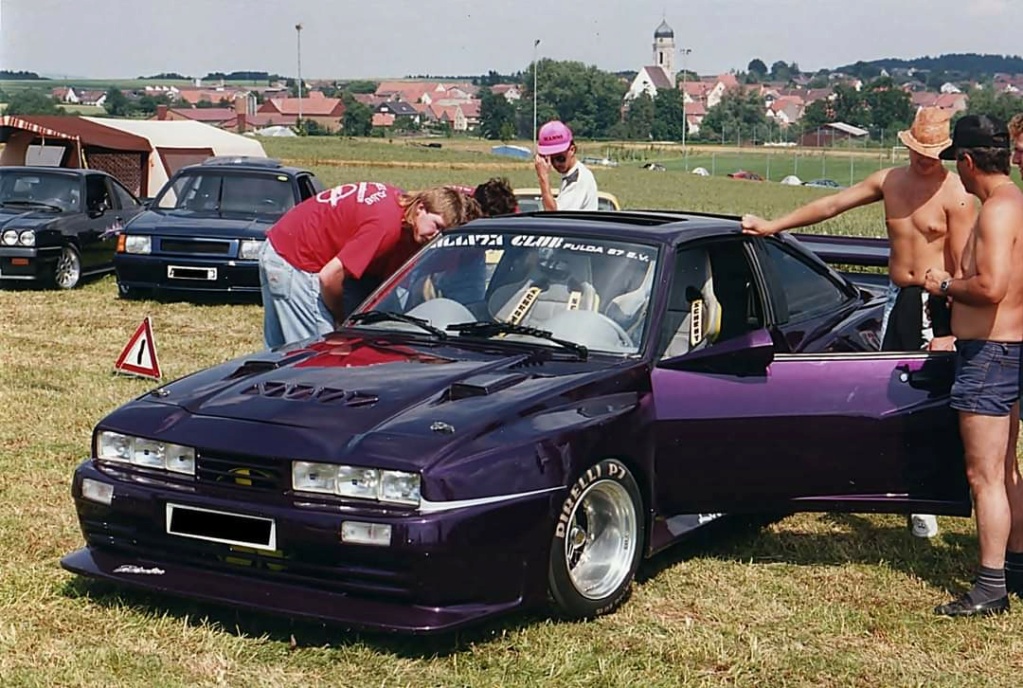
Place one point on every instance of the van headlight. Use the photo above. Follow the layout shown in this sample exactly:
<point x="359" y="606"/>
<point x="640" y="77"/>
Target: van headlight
<point x="249" y="249"/>
<point x="356" y="482"/>
<point x="139" y="451"/>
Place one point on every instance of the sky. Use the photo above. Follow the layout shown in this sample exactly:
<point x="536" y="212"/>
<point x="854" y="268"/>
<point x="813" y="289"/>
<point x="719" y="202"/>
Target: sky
<point x="393" y="38"/>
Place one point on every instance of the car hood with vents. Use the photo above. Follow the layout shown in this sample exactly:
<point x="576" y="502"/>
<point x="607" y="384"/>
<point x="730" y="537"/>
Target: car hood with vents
<point x="345" y="395"/>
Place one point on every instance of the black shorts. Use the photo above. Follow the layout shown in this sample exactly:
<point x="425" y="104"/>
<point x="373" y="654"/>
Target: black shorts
<point x="914" y="320"/>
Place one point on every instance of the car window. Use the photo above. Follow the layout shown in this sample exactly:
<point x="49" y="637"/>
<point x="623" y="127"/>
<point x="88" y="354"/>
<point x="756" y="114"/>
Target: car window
<point x="590" y="290"/>
<point x="97" y="195"/>
<point x="307" y="186"/>
<point x="211" y="191"/>
<point x="124" y="197"/>
<point x="713" y="298"/>
<point x="256" y="194"/>
<point x="808" y="292"/>
<point x="57" y="191"/>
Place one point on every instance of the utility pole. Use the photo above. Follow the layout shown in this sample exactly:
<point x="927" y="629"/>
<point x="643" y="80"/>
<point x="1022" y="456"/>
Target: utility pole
<point x="685" y="118"/>
<point x="298" y="33"/>
<point x="536" y="68"/>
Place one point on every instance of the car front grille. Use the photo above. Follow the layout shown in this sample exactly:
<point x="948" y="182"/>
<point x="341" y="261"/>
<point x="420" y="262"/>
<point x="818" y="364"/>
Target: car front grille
<point x="230" y="470"/>
<point x="210" y="247"/>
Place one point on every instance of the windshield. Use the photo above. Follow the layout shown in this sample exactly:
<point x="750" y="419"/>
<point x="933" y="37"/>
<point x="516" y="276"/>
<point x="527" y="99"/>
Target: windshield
<point x="218" y="192"/>
<point x="589" y="291"/>
<point x="40" y="189"/>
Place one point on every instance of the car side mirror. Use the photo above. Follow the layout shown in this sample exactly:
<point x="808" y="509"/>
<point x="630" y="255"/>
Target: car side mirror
<point x="746" y="355"/>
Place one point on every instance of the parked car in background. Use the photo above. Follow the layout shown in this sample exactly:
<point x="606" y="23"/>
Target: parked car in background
<point x="747" y="175"/>
<point x="598" y="161"/>
<point x="204" y="230"/>
<point x="58" y="225"/>
<point x="531" y="201"/>
<point x="824" y="184"/>
<point x="655" y="167"/>
<point x="475" y="441"/>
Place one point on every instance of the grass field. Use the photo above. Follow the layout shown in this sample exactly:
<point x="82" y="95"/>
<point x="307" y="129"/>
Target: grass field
<point x="811" y="600"/>
<point x="468" y="161"/>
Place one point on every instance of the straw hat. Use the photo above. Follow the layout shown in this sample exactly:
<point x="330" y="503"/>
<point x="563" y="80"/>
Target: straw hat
<point x="929" y="134"/>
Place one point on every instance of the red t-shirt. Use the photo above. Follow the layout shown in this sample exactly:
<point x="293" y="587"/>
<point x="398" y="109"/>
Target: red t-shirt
<point x="360" y="223"/>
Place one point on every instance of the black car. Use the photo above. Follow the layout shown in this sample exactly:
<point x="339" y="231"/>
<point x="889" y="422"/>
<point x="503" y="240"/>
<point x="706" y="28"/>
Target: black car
<point x="58" y="225"/>
<point x="203" y="232"/>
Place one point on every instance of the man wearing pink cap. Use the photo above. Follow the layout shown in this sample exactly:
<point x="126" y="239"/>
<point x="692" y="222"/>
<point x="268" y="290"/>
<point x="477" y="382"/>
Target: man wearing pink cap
<point x="555" y="148"/>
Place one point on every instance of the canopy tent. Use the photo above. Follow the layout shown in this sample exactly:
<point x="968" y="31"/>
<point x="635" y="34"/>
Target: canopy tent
<point x="78" y="142"/>
<point x="176" y="143"/>
<point x="142" y="154"/>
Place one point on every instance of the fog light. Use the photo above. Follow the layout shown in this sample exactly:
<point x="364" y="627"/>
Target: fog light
<point x="358" y="533"/>
<point x="95" y="491"/>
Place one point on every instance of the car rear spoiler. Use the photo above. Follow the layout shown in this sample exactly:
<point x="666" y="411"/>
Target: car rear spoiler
<point x="847" y="250"/>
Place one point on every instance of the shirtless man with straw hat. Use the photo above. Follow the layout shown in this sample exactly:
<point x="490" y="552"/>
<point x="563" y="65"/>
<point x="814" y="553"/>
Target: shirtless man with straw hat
<point x="929" y="216"/>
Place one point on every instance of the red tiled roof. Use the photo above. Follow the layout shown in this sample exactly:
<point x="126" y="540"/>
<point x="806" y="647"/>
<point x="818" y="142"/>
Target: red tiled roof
<point x="311" y="107"/>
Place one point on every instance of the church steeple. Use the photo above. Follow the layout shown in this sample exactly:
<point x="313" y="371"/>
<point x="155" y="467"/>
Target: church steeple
<point x="664" y="49"/>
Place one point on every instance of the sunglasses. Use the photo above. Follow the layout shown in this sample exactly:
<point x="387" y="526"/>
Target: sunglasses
<point x="559" y="158"/>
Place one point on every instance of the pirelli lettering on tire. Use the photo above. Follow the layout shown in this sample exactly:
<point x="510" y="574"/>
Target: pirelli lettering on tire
<point x="605" y="469"/>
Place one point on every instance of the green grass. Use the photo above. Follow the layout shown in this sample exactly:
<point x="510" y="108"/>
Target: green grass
<point x="467" y="161"/>
<point x="812" y="600"/>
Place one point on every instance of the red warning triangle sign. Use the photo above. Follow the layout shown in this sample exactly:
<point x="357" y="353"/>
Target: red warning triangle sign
<point x="139" y="355"/>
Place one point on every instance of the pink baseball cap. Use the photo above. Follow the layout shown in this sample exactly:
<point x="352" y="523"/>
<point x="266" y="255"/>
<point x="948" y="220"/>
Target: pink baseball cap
<point x="554" y="138"/>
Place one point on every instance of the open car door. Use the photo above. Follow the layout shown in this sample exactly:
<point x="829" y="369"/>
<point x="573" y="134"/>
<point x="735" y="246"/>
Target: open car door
<point x="741" y="426"/>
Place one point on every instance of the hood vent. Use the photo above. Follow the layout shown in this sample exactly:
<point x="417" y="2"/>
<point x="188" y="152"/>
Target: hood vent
<point x="255" y="366"/>
<point x="483" y="385"/>
<point x="304" y="392"/>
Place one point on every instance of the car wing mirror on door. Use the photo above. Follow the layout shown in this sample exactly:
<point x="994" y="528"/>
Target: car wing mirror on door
<point x="747" y="354"/>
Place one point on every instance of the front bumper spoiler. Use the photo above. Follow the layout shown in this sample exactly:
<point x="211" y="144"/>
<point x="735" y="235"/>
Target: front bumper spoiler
<point x="275" y="597"/>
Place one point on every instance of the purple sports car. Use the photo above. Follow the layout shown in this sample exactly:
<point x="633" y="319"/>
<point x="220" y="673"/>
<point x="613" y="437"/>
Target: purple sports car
<point x="529" y="408"/>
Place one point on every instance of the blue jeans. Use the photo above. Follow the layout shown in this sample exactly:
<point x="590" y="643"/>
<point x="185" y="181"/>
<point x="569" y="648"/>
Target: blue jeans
<point x="293" y="309"/>
<point x="987" y="377"/>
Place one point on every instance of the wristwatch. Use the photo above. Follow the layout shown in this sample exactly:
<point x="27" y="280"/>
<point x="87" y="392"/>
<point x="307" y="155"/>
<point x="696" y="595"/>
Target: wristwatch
<point x="945" y="283"/>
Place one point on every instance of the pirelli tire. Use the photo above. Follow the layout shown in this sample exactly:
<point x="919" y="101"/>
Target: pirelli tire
<point x="597" y="542"/>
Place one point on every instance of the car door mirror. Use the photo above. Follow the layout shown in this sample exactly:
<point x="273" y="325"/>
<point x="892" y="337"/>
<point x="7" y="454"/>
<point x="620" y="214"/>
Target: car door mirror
<point x="747" y="354"/>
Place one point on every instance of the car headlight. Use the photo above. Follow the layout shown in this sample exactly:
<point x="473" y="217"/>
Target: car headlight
<point x="27" y="238"/>
<point x="136" y="243"/>
<point x="392" y="487"/>
<point x="249" y="249"/>
<point x="10" y="237"/>
<point x="138" y="451"/>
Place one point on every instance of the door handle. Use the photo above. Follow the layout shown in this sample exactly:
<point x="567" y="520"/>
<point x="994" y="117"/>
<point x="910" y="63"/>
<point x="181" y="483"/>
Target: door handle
<point x="924" y="378"/>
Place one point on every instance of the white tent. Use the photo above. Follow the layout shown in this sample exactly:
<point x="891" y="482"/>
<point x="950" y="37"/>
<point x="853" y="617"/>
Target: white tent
<point x="179" y="143"/>
<point x="792" y="180"/>
<point x="276" y="130"/>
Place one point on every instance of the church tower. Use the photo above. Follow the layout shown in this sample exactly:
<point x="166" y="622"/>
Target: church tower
<point x="664" y="49"/>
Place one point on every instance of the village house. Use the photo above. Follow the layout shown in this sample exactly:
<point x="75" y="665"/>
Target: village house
<point x="326" y="112"/>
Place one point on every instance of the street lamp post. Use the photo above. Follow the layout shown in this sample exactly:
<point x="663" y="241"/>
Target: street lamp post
<point x="685" y="118"/>
<point x="536" y="66"/>
<point x="298" y="33"/>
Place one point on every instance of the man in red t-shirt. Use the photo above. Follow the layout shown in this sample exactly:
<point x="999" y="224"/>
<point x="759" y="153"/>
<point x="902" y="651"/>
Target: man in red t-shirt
<point x="324" y="256"/>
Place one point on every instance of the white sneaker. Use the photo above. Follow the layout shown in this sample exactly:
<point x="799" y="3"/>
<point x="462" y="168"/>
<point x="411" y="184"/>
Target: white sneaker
<point x="923" y="525"/>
